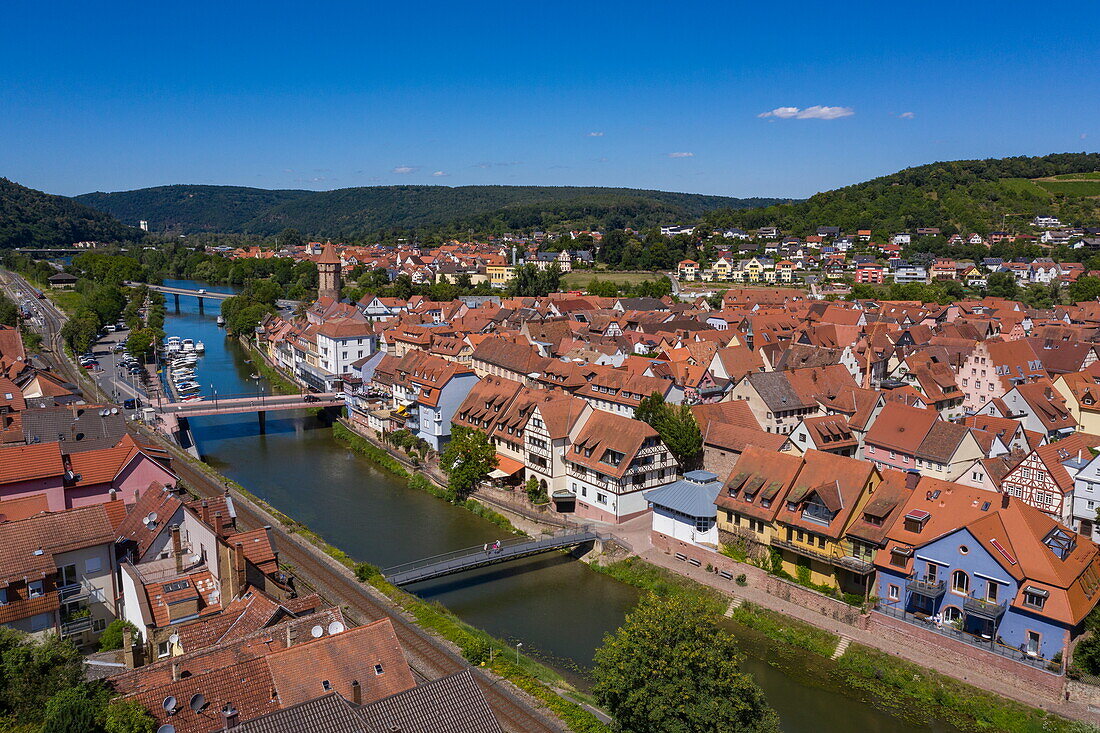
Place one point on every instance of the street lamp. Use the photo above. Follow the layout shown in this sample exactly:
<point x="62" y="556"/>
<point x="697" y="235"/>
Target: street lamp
<point x="518" y="645"/>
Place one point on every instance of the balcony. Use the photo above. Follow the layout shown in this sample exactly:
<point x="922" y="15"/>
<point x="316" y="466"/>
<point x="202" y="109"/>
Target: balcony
<point x="984" y="609"/>
<point x="926" y="587"/>
<point x="73" y="592"/>
<point x="76" y="626"/>
<point x="944" y="629"/>
<point x="845" y="560"/>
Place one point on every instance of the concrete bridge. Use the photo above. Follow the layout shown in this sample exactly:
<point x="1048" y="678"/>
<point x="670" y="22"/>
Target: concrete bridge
<point x="172" y="413"/>
<point x="476" y="557"/>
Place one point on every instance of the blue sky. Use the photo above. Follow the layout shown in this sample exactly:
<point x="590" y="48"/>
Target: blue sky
<point x="117" y="95"/>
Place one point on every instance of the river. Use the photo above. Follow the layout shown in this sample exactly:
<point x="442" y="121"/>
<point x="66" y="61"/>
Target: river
<point x="558" y="608"/>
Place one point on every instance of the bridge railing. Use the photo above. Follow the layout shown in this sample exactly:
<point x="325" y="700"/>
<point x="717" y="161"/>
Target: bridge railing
<point x="477" y="550"/>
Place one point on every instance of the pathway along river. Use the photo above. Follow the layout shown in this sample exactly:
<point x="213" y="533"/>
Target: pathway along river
<point x="558" y="608"/>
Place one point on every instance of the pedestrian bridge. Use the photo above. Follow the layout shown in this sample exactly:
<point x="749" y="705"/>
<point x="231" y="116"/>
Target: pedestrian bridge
<point x="476" y="557"/>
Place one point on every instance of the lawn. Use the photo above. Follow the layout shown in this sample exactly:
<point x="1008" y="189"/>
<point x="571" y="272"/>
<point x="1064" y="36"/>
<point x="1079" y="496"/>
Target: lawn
<point x="578" y="279"/>
<point x="1094" y="176"/>
<point x="1072" y="188"/>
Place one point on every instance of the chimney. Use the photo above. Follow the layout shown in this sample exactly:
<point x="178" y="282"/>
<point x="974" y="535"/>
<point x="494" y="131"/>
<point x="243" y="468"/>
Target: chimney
<point x="217" y="522"/>
<point x="205" y="513"/>
<point x="114" y="494"/>
<point x="231" y="716"/>
<point x="290" y="635"/>
<point x="177" y="548"/>
<point x="175" y="671"/>
<point x="128" y="648"/>
<point x="1004" y="500"/>
<point x="356" y="692"/>
<point x="911" y="481"/>
<point x="238" y="568"/>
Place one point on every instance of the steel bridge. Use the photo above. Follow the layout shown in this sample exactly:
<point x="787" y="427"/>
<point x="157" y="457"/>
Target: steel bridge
<point x="480" y="556"/>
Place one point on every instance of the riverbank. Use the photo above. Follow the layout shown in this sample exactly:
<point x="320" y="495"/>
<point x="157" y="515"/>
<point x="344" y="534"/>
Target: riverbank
<point x="476" y="645"/>
<point x="909" y="691"/>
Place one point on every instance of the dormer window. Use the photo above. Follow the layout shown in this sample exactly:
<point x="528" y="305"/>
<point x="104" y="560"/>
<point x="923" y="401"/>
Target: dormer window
<point x="1035" y="597"/>
<point x="35" y="588"/>
<point x="1060" y="542"/>
<point x="915" y="520"/>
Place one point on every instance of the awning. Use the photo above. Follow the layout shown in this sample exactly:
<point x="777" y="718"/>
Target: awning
<point x="505" y="467"/>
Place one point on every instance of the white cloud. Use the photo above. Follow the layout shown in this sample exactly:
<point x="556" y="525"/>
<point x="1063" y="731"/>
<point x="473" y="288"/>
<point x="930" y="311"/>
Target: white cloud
<point x="595" y="134"/>
<point x="1084" y="135"/>
<point x="403" y="169"/>
<point x="439" y="174"/>
<point x="907" y="115"/>
<point x="817" y="112"/>
<point x="681" y="155"/>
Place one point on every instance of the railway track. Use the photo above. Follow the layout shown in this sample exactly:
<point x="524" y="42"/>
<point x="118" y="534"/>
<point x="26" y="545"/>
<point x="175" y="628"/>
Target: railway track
<point x="429" y="657"/>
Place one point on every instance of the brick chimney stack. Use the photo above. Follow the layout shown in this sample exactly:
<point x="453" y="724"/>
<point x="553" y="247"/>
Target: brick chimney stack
<point x="356" y="692"/>
<point x="239" y="576"/>
<point x="128" y="648"/>
<point x="205" y="513"/>
<point x="177" y="548"/>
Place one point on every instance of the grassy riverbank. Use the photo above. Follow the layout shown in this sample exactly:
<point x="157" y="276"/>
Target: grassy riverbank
<point x="525" y="673"/>
<point x="905" y="689"/>
<point x="418" y="481"/>
<point x="279" y="383"/>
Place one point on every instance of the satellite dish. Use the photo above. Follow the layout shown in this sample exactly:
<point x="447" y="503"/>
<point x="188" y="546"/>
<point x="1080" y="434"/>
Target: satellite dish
<point x="198" y="702"/>
<point x="169" y="704"/>
<point x="335" y="627"/>
<point x="174" y="639"/>
<point x="114" y="410"/>
<point x="317" y="631"/>
<point x="152" y="516"/>
<point x="167" y="728"/>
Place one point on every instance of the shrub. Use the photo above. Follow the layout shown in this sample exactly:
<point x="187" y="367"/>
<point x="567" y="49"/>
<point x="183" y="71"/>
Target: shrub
<point x="476" y="651"/>
<point x="742" y="580"/>
<point x="366" y="572"/>
<point x="111" y="638"/>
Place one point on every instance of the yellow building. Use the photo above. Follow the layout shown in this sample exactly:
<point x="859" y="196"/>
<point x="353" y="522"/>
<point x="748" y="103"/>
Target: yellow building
<point x="722" y="269"/>
<point x="500" y="275"/>
<point x="754" y="271"/>
<point x="1082" y="395"/>
<point x="812" y="526"/>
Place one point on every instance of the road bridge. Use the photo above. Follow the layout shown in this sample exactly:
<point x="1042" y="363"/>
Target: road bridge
<point x="480" y="556"/>
<point x="172" y="413"/>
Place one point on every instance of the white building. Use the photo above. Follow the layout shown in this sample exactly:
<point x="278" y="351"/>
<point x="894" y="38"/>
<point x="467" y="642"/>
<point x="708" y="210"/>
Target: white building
<point x="342" y="341"/>
<point x="685" y="510"/>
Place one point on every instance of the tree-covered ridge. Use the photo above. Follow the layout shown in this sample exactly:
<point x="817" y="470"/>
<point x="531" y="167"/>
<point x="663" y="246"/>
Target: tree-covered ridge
<point x="30" y="218"/>
<point x="353" y="213"/>
<point x="190" y="208"/>
<point x="957" y="196"/>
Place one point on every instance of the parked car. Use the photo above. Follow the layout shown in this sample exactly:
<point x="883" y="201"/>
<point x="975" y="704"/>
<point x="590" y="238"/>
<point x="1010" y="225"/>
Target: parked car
<point x="132" y="404"/>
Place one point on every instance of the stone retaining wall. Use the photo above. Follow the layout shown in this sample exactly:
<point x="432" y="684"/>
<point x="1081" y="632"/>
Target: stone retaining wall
<point x="972" y="663"/>
<point x="810" y="599"/>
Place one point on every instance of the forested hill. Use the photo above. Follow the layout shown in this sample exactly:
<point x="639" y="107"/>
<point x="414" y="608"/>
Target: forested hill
<point x="190" y="208"/>
<point x="351" y="213"/>
<point x="33" y="218"/>
<point x="963" y="195"/>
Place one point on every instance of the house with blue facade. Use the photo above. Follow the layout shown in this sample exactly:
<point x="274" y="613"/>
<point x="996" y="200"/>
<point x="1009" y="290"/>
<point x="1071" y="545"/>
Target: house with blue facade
<point x="427" y="391"/>
<point x="987" y="569"/>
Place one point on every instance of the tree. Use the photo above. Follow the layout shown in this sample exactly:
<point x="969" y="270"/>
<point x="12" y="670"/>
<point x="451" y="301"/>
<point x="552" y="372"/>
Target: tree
<point x="677" y="427"/>
<point x="111" y="638"/>
<point x="141" y="341"/>
<point x="671" y="668"/>
<point x="1001" y="285"/>
<point x="31" y="672"/>
<point x="467" y="460"/>
<point x="75" y="710"/>
<point x="290" y="238"/>
<point x="127" y="716"/>
<point x="1085" y="288"/>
